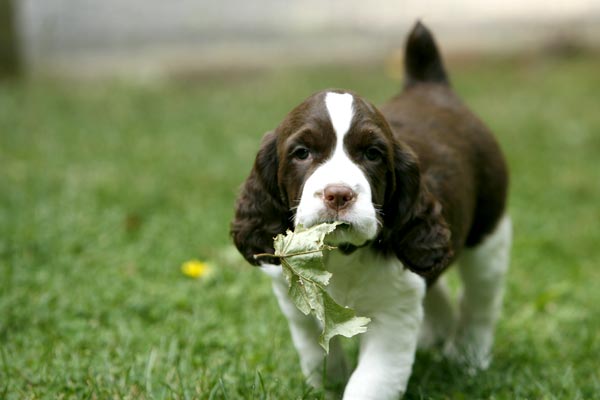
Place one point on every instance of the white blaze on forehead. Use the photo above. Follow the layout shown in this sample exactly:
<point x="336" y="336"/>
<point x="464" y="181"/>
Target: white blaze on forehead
<point x="339" y="107"/>
<point x="339" y="169"/>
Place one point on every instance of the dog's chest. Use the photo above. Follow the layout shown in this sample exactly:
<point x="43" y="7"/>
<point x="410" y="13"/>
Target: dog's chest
<point x="366" y="281"/>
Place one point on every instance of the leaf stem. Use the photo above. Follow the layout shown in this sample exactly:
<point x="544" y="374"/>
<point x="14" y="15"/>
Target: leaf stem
<point x="300" y="253"/>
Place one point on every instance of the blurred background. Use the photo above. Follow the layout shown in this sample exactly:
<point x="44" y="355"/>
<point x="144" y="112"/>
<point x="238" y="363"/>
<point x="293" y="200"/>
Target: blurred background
<point x="127" y="126"/>
<point x="156" y="38"/>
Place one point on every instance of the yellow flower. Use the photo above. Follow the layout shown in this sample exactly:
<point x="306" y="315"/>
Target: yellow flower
<point x="195" y="268"/>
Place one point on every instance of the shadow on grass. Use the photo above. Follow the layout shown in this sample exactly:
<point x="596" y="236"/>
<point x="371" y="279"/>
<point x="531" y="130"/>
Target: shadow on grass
<point x="433" y="374"/>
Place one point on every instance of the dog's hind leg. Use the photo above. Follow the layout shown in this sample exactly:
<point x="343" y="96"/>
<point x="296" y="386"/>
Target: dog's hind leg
<point x="440" y="316"/>
<point x="482" y="271"/>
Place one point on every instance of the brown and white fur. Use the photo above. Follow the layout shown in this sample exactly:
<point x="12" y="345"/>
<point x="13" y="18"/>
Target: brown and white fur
<point x="420" y="183"/>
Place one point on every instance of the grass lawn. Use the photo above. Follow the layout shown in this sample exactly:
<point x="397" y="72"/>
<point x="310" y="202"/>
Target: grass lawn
<point x="107" y="188"/>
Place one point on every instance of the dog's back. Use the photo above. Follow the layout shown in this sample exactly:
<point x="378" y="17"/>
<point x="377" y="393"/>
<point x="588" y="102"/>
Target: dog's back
<point x="461" y="163"/>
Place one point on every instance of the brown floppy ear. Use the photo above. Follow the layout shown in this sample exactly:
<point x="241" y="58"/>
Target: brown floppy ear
<point x="424" y="244"/>
<point x="260" y="211"/>
<point x="414" y="227"/>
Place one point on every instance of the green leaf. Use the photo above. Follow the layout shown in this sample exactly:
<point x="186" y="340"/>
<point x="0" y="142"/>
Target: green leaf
<point x="301" y="255"/>
<point x="340" y="320"/>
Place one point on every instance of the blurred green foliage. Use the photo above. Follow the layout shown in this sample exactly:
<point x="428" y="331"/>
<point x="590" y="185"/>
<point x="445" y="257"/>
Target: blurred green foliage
<point x="107" y="187"/>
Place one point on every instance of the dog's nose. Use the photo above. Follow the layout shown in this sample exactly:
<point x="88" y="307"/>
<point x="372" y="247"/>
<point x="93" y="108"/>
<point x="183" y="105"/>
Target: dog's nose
<point x="338" y="197"/>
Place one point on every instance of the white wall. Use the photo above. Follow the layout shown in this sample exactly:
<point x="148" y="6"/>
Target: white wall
<point x="153" y="36"/>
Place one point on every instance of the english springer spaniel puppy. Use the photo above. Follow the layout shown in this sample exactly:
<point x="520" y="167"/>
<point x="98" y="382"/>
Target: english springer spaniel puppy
<point x="420" y="183"/>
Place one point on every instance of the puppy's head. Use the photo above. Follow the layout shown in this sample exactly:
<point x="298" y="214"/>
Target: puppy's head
<point x="333" y="158"/>
<point x="337" y="163"/>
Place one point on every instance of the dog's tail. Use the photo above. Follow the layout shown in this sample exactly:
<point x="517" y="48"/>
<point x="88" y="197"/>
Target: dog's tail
<point x="422" y="61"/>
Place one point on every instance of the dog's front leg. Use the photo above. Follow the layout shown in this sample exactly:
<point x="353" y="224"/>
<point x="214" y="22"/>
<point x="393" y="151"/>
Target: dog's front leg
<point x="305" y="333"/>
<point x="387" y="350"/>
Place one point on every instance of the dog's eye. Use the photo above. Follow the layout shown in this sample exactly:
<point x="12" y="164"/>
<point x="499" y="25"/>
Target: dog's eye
<point x="301" y="153"/>
<point x="373" y="154"/>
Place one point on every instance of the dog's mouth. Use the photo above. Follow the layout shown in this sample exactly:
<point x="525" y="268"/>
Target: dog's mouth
<point x="342" y="228"/>
<point x="345" y="237"/>
<point x="342" y="225"/>
<point x="349" y="230"/>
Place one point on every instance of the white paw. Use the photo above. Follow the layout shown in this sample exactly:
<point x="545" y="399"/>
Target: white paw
<point x="471" y="348"/>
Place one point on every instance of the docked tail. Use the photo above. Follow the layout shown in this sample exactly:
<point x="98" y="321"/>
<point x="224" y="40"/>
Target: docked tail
<point x="422" y="61"/>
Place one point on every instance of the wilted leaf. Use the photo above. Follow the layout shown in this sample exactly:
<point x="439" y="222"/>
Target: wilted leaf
<point x="301" y="255"/>
<point x="340" y="320"/>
